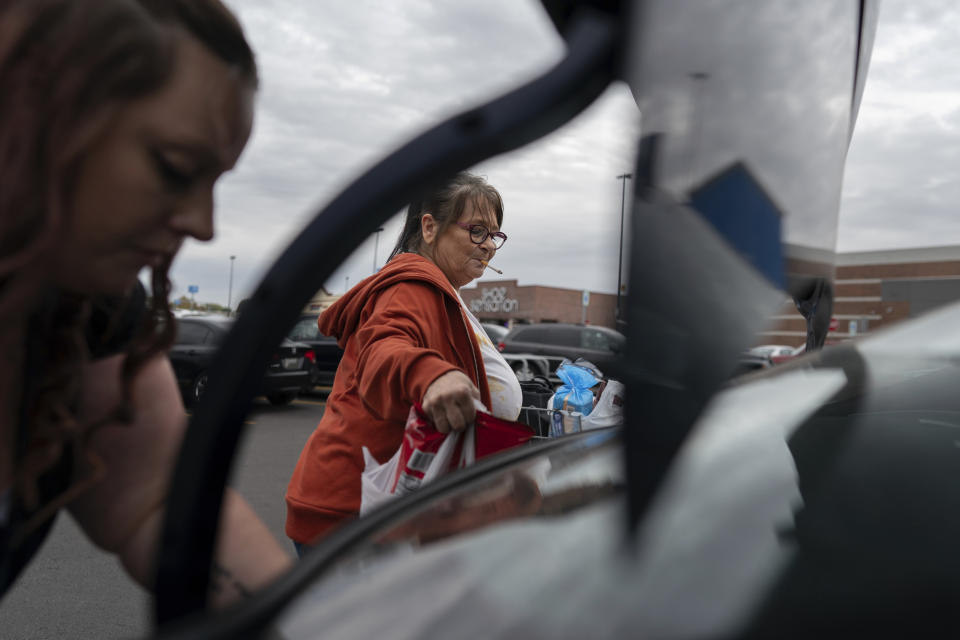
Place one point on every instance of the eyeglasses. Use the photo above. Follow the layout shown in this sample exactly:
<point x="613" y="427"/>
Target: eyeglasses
<point x="479" y="234"/>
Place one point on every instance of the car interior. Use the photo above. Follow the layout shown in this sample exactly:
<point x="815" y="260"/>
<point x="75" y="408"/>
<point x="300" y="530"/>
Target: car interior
<point x="793" y="503"/>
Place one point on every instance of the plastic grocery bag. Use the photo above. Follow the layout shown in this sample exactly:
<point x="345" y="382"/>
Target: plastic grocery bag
<point x="589" y="366"/>
<point x="574" y="394"/>
<point x="608" y="411"/>
<point x="426" y="454"/>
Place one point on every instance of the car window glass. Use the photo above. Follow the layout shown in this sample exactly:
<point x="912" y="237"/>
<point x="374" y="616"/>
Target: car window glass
<point x="593" y="339"/>
<point x="191" y="333"/>
<point x="216" y="336"/>
<point x="495" y="332"/>
<point x="566" y="336"/>
<point x="306" y="329"/>
<point x="617" y="342"/>
<point x="529" y="335"/>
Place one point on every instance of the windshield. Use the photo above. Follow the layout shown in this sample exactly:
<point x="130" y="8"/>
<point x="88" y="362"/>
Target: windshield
<point x="306" y="329"/>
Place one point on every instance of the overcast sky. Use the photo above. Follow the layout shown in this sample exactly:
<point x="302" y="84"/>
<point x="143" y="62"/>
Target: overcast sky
<point x="344" y="83"/>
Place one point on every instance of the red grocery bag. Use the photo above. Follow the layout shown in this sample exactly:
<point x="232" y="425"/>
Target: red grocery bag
<point x="425" y="454"/>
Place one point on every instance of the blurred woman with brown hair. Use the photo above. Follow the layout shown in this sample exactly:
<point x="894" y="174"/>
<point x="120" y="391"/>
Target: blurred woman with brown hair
<point x="117" y="119"/>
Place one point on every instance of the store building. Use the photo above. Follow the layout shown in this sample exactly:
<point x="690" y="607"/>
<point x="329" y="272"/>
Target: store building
<point x="320" y="301"/>
<point x="874" y="289"/>
<point x="507" y="303"/>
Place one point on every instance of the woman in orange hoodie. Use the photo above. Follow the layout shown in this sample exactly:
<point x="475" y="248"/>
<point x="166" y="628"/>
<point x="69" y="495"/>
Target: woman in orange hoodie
<point x="407" y="337"/>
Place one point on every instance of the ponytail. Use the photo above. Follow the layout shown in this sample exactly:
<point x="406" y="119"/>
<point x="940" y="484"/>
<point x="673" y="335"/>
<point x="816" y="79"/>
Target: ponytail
<point x="411" y="235"/>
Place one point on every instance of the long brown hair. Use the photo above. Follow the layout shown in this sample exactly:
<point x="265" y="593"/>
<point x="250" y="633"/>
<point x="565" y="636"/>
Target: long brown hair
<point x="66" y="68"/>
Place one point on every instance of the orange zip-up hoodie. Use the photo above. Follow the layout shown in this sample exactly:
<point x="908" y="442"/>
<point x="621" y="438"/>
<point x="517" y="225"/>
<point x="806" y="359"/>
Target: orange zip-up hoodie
<point x="400" y="329"/>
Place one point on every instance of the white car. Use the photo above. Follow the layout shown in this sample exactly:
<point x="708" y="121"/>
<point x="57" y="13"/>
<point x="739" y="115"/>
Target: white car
<point x="772" y="350"/>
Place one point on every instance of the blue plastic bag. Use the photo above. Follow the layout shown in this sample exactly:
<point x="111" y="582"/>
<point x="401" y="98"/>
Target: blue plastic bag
<point x="575" y="390"/>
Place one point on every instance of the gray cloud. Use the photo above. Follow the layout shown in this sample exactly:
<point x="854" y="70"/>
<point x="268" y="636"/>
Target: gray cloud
<point x="344" y="83"/>
<point x="901" y="187"/>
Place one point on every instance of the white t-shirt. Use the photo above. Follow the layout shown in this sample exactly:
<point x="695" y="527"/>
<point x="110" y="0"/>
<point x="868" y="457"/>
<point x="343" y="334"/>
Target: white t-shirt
<point x="505" y="393"/>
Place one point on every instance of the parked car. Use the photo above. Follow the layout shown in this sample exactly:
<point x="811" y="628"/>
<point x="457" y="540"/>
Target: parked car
<point x="324" y="353"/>
<point x="780" y="358"/>
<point x="761" y="357"/>
<point x="528" y="366"/>
<point x="750" y="362"/>
<point x="556" y="341"/>
<point x="495" y="332"/>
<point x="199" y="337"/>
<point x="771" y="350"/>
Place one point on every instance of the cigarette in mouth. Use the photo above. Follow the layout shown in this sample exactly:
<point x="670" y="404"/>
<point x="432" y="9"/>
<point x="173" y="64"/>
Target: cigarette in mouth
<point x="487" y="265"/>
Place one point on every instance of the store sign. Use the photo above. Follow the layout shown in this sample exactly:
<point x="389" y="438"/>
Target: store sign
<point x="494" y="300"/>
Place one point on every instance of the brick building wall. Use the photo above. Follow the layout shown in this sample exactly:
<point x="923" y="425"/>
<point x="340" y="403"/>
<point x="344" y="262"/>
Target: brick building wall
<point x="874" y="289"/>
<point x="506" y="302"/>
<point x="871" y="290"/>
<point x="320" y="301"/>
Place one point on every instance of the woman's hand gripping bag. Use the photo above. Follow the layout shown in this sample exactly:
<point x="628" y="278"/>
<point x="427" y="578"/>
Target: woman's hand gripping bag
<point x="426" y="454"/>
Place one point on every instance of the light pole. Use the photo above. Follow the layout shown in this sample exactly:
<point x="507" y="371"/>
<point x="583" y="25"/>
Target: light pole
<point x="623" y="197"/>
<point x="230" y="287"/>
<point x="376" y="245"/>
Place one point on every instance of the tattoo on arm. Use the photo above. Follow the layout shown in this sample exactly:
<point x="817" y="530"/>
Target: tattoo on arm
<point x="222" y="582"/>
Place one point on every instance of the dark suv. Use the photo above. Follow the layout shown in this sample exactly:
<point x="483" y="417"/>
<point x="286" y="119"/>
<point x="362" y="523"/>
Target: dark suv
<point x="199" y="338"/>
<point x="324" y="355"/>
<point x="555" y="341"/>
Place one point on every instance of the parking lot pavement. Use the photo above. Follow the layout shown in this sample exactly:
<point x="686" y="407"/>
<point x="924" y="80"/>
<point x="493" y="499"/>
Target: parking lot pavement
<point x="73" y="590"/>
